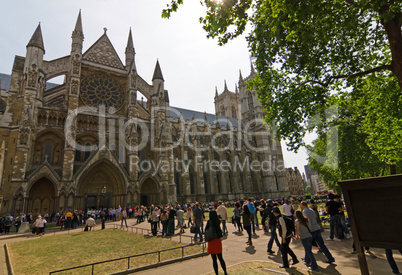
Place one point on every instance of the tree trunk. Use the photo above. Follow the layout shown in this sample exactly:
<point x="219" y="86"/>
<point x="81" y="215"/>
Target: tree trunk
<point x="393" y="169"/>
<point x="394" y="34"/>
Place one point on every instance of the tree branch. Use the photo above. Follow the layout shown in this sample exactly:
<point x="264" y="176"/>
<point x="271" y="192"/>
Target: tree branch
<point x="326" y="83"/>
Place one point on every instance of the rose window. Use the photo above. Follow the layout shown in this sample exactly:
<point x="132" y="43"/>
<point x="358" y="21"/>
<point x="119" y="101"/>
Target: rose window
<point x="99" y="90"/>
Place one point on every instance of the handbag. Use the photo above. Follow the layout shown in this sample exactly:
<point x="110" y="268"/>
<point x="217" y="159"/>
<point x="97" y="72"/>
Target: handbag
<point x="192" y="229"/>
<point x="210" y="233"/>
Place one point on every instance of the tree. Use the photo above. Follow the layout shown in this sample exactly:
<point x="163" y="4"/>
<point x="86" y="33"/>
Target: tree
<point x="311" y="52"/>
<point x="360" y="115"/>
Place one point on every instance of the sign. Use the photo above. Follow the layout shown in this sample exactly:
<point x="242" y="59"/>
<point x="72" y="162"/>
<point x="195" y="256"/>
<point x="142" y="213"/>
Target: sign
<point x="374" y="210"/>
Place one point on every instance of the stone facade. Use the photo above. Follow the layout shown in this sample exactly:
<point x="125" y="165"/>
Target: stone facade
<point x="295" y="181"/>
<point x="106" y="137"/>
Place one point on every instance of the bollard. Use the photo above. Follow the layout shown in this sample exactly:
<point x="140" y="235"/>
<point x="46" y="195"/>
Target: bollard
<point x="103" y="223"/>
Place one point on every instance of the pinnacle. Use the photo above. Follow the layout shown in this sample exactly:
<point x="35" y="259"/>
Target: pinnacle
<point x="36" y="39"/>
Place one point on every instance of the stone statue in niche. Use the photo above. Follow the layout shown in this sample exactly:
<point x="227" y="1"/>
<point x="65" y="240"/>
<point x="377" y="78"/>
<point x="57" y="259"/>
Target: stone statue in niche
<point x="32" y="76"/>
<point x="133" y="98"/>
<point x="74" y="87"/>
<point x="56" y="157"/>
<point x="134" y="81"/>
<point x="76" y="65"/>
<point x="37" y="157"/>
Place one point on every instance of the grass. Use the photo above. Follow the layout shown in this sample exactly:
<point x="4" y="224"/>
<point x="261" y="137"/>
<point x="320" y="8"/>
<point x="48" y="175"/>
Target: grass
<point x="50" y="253"/>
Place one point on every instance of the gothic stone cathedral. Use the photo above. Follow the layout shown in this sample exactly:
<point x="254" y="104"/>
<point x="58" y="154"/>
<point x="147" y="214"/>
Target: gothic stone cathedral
<point x="106" y="137"/>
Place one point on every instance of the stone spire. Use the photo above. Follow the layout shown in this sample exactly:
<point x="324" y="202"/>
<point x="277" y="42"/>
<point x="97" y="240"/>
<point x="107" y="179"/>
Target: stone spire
<point x="252" y="68"/>
<point x="37" y="40"/>
<point x="236" y="89"/>
<point x="226" y="87"/>
<point x="130" y="51"/>
<point x="77" y="36"/>
<point x="241" y="80"/>
<point x="157" y="72"/>
<point x="216" y="91"/>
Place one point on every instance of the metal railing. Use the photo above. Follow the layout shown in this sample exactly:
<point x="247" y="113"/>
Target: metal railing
<point x="135" y="229"/>
<point x="128" y="258"/>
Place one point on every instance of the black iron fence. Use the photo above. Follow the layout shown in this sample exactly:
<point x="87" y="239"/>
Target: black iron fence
<point x="131" y="258"/>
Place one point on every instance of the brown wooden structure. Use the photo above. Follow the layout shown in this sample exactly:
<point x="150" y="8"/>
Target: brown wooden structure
<point x="374" y="209"/>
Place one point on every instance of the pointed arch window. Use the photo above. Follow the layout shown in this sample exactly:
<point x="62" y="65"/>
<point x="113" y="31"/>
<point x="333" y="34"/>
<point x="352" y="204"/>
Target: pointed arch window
<point x="234" y="112"/>
<point x="250" y="100"/>
<point x="78" y="152"/>
<point x="47" y="154"/>
<point x="192" y="181"/>
<point x="87" y="150"/>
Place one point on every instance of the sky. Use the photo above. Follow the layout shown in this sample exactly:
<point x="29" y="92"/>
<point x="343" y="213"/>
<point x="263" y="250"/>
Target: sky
<point x="192" y="65"/>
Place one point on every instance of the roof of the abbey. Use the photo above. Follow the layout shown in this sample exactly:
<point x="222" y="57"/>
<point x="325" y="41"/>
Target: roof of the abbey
<point x="175" y="112"/>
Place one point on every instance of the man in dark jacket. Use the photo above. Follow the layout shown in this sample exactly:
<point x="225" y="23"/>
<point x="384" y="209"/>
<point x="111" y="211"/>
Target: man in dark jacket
<point x="172" y="215"/>
<point x="273" y="224"/>
<point x="286" y="237"/>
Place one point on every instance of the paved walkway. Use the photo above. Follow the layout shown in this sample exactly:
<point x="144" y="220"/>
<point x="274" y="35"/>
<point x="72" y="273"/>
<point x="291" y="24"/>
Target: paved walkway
<point x="236" y="251"/>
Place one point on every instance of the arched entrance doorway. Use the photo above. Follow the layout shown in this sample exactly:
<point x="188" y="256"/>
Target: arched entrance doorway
<point x="41" y="198"/>
<point x="101" y="187"/>
<point x="149" y="192"/>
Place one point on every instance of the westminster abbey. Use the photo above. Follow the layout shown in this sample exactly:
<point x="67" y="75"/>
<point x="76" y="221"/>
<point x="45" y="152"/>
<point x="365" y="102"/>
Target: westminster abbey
<point x="107" y="137"/>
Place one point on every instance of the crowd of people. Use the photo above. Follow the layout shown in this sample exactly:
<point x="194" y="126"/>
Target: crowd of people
<point x="299" y="220"/>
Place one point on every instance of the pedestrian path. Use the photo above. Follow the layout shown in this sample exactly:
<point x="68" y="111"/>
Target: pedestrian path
<point x="236" y="251"/>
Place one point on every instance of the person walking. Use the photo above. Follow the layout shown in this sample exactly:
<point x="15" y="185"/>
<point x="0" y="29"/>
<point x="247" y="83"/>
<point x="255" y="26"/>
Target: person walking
<point x="154" y="221"/>
<point x="333" y="208"/>
<point x="223" y="216"/>
<point x="286" y="234"/>
<point x="215" y="245"/>
<point x="40" y="225"/>
<point x="303" y="233"/>
<point x="180" y="219"/>
<point x="316" y="231"/>
<point x="391" y="261"/>
<point x="171" y="226"/>
<point x="164" y="220"/>
<point x="247" y="222"/>
<point x="123" y="217"/>
<point x="197" y="221"/>
<point x="237" y="211"/>
<point x="273" y="225"/>
<point x="342" y="217"/>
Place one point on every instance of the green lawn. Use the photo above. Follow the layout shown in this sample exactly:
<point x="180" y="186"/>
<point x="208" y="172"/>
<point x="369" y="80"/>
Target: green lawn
<point x="49" y="253"/>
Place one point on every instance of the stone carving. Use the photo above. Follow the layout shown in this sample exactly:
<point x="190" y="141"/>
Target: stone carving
<point x="133" y="96"/>
<point x="134" y="81"/>
<point x="104" y="53"/>
<point x="76" y="65"/>
<point x="131" y="135"/>
<point x="24" y="134"/>
<point x="32" y="76"/>
<point x="74" y="87"/>
<point x="56" y="67"/>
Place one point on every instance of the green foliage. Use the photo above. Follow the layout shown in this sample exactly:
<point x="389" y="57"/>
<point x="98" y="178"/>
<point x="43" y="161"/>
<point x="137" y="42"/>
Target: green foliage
<point x="370" y="112"/>
<point x="313" y="54"/>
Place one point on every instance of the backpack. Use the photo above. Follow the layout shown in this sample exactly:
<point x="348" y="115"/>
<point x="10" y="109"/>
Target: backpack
<point x="251" y="208"/>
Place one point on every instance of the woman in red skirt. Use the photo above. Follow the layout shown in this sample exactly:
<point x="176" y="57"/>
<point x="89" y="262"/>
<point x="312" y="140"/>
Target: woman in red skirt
<point x="215" y="245"/>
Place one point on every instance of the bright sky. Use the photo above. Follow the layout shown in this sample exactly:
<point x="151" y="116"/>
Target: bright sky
<point x="191" y="64"/>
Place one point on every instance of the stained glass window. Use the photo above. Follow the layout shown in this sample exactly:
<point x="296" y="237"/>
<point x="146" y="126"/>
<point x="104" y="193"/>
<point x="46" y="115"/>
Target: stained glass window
<point x="99" y="90"/>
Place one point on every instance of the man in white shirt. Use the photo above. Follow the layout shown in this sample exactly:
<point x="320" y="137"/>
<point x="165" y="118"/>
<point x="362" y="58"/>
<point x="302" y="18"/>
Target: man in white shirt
<point x="223" y="214"/>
